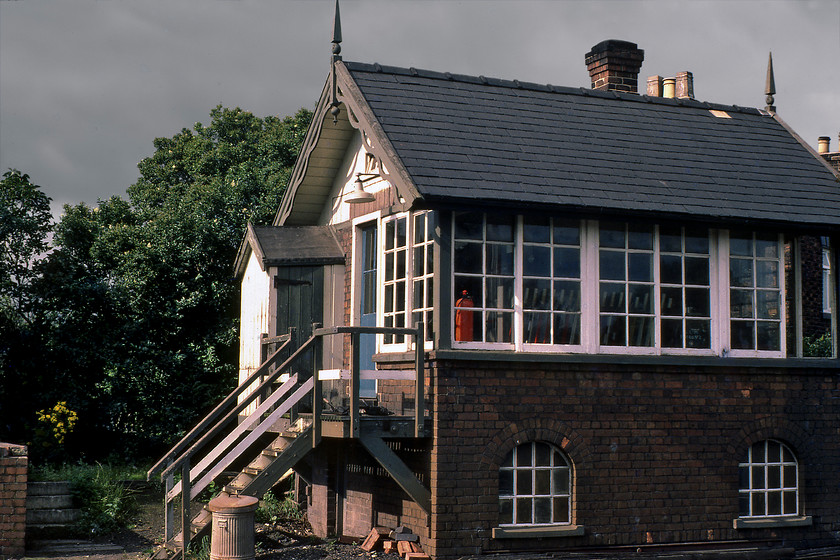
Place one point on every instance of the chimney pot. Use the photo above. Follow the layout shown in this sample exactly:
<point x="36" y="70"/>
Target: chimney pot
<point x="822" y="144"/>
<point x="668" y="87"/>
<point x="614" y="66"/>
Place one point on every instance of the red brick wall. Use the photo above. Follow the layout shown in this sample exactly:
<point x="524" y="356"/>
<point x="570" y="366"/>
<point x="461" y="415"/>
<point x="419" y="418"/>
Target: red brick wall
<point x="13" y="477"/>
<point x="655" y="449"/>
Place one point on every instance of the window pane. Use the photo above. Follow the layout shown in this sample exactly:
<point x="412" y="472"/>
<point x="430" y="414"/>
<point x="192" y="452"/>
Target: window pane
<point x="542" y="510"/>
<point x="697" y="302"/>
<point x="671" y="302"/>
<point x="499" y="293"/>
<point x="670" y="239"/>
<point x="611" y="265"/>
<point x="430" y="292"/>
<point x="640" y="267"/>
<point x="566" y="328"/>
<point x="419" y="262"/>
<point x="536" y="260"/>
<point x="767" y="274"/>
<point x="744" y="505"/>
<point x="640" y="298"/>
<point x="768" y="336"/>
<point x="500" y="227"/>
<point x="401" y="264"/>
<point x="744" y="478"/>
<point x="640" y="237"/>
<point x="505" y="483"/>
<point x="789" y="504"/>
<point x="740" y="244"/>
<point x="670" y="269"/>
<point x="758" y="504"/>
<point x="389" y="298"/>
<point x="612" y="298"/>
<point x="561" y="510"/>
<point x="468" y="258"/>
<point x="536" y="230"/>
<point x="567" y="262"/>
<point x="561" y="480"/>
<point x="543" y="482"/>
<point x="767" y="245"/>
<point x="640" y="331"/>
<point x="538" y="328"/>
<point x="774" y="477"/>
<point x="567" y="233"/>
<point x="566" y="295"/>
<point x="499" y="326"/>
<point x="740" y="273"/>
<point x="698" y="334"/>
<point x="536" y="294"/>
<point x="741" y="304"/>
<point x="774" y="451"/>
<point x="389" y="234"/>
<point x="742" y="335"/>
<point x="430" y="258"/>
<point x="672" y="335"/>
<point x="697" y="241"/>
<point x="389" y="267"/>
<point x="613" y="330"/>
<point x="399" y="297"/>
<point x="523" y="482"/>
<point x="697" y="271"/>
<point x="790" y="477"/>
<point x="774" y="503"/>
<point x="758" y="477"/>
<point x="543" y="454"/>
<point x="523" y="510"/>
<point x="505" y="512"/>
<point x="611" y="235"/>
<point x="469" y="225"/>
<point x="420" y="228"/>
<point x="499" y="259"/>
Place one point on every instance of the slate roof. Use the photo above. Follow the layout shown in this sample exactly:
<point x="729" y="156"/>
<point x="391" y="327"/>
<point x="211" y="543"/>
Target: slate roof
<point x="289" y="246"/>
<point x="469" y="140"/>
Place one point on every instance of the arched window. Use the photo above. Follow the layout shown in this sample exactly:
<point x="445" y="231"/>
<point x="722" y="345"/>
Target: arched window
<point x="769" y="481"/>
<point x="535" y="486"/>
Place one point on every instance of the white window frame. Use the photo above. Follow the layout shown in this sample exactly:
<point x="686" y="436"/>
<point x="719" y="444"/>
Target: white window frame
<point x="511" y="466"/>
<point x="428" y="278"/>
<point x="758" y="474"/>
<point x="719" y="300"/>
<point x="826" y="280"/>
<point x="407" y="344"/>
<point x="725" y="319"/>
<point x="383" y="283"/>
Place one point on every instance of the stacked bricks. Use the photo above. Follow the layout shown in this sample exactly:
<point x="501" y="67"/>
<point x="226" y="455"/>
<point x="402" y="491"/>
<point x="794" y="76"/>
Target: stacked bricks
<point x="13" y="476"/>
<point x="614" y="66"/>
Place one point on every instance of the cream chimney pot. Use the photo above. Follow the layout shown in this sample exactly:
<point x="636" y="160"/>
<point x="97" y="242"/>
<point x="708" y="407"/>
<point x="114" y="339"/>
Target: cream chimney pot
<point x="822" y="144"/>
<point x="668" y="87"/>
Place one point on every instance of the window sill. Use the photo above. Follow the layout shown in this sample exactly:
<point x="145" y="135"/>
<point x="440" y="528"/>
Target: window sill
<point x="773" y="522"/>
<point x="536" y="532"/>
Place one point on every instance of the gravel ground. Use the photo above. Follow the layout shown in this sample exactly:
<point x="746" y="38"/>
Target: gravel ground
<point x="287" y="540"/>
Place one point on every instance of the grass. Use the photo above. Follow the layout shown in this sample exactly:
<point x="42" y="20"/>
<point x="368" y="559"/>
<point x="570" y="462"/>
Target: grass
<point x="101" y="492"/>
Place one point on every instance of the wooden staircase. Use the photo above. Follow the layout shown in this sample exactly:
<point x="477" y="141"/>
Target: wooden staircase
<point x="256" y="435"/>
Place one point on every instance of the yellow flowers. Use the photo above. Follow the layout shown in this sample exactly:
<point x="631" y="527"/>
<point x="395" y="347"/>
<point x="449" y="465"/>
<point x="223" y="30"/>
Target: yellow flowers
<point x="58" y="421"/>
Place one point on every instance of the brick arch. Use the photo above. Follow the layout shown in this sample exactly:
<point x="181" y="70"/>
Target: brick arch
<point x="555" y="432"/>
<point x="779" y="429"/>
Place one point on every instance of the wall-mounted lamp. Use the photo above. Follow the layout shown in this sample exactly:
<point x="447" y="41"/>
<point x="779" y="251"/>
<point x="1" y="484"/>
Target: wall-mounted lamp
<point x="359" y="195"/>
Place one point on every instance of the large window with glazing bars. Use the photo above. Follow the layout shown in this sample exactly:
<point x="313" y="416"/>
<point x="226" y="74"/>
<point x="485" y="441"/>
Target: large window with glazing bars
<point x="555" y="284"/>
<point x="407" y="272"/>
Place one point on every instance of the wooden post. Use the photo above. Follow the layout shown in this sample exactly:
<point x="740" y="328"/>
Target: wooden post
<point x="355" y="374"/>
<point x="168" y="507"/>
<point x="317" y="392"/>
<point x="293" y="345"/>
<point x="186" y="522"/>
<point x="419" y="389"/>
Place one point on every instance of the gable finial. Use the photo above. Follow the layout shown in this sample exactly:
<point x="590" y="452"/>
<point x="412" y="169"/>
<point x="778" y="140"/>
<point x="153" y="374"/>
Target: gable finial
<point x="770" y="86"/>
<point x="336" y="56"/>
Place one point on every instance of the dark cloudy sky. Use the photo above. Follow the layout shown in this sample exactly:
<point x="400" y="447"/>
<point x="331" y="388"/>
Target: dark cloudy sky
<point x="86" y="85"/>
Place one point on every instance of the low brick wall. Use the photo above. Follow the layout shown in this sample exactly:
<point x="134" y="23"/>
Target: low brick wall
<point x="13" y="476"/>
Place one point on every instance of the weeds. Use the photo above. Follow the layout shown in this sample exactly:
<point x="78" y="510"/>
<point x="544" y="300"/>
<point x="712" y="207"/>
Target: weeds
<point x="272" y="510"/>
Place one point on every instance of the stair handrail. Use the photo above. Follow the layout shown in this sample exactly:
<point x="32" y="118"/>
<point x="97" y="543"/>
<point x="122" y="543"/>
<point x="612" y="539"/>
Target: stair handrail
<point x="176" y="453"/>
<point x="252" y="396"/>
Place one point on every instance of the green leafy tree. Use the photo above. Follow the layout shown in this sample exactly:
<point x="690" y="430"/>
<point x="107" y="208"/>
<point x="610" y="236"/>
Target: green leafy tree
<point x="149" y="281"/>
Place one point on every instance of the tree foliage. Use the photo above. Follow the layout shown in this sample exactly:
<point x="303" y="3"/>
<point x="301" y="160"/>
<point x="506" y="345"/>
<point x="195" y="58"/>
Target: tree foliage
<point x="137" y="299"/>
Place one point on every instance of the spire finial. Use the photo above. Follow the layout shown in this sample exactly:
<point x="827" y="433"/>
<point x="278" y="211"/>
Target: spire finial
<point x="770" y="85"/>
<point x="336" y="39"/>
<point x="336" y="56"/>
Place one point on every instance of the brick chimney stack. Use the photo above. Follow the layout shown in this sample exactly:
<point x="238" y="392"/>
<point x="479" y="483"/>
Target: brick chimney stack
<point x="614" y="66"/>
